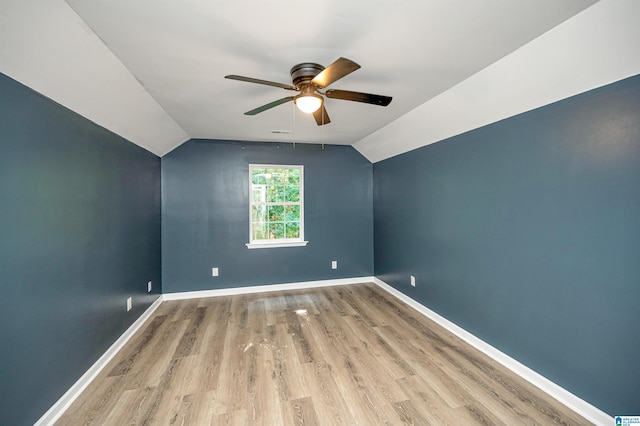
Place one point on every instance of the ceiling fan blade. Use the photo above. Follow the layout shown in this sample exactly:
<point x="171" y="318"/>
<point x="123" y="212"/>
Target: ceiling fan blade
<point x="334" y="72"/>
<point x="269" y="106"/>
<point x="367" y="98"/>
<point x="321" y="116"/>
<point x="258" y="81"/>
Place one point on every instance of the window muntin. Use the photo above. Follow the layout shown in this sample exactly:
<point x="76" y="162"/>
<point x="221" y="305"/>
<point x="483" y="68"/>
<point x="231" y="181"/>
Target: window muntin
<point x="276" y="205"/>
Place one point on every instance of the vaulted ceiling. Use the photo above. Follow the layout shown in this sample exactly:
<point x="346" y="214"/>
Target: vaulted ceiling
<point x="153" y="70"/>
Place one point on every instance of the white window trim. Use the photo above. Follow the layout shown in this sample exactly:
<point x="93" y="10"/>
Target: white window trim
<point x="284" y="242"/>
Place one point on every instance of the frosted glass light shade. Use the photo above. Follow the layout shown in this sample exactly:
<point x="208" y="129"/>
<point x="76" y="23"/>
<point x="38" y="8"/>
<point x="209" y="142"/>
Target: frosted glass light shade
<point x="308" y="103"/>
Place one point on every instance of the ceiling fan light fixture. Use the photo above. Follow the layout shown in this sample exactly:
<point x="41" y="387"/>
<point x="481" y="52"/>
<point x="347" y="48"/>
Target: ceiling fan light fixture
<point x="308" y="102"/>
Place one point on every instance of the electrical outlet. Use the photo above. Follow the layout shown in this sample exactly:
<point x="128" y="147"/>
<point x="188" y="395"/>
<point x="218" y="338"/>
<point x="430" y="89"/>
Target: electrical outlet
<point x="334" y="264"/>
<point x="149" y="287"/>
<point x="129" y="304"/>
<point x="214" y="272"/>
<point x="413" y="281"/>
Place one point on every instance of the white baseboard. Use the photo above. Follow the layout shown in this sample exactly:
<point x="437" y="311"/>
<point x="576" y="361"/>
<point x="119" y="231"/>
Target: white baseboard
<point x="265" y="288"/>
<point x="54" y="413"/>
<point x="562" y="395"/>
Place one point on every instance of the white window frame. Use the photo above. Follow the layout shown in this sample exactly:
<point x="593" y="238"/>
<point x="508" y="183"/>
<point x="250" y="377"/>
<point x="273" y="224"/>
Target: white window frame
<point x="282" y="242"/>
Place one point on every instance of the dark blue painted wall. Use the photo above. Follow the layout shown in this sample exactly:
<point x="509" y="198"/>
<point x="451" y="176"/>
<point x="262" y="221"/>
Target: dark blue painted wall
<point x="205" y="216"/>
<point x="527" y="233"/>
<point x="79" y="233"/>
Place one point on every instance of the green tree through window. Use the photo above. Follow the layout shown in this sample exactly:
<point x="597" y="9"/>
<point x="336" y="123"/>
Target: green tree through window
<point x="276" y="204"/>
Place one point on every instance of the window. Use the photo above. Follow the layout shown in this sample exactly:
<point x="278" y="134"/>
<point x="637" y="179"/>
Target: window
<point x="276" y="206"/>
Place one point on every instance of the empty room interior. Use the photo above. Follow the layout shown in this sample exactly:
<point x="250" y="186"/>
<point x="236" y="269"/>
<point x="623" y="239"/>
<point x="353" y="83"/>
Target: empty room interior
<point x="416" y="212"/>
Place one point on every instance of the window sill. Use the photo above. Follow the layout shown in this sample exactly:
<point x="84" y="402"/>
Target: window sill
<point x="277" y="244"/>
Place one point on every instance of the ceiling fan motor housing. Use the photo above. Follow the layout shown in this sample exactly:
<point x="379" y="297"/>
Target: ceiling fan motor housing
<point x="303" y="73"/>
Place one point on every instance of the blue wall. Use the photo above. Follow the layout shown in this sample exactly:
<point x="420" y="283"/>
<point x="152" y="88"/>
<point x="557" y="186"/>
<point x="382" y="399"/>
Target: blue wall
<point x="79" y="233"/>
<point x="527" y="233"/>
<point x="205" y="216"/>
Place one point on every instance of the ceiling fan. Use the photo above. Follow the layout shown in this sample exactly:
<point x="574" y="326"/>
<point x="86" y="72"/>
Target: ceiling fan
<point x="308" y="79"/>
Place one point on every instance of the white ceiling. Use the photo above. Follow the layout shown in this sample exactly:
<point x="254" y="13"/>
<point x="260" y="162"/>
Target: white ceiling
<point x="153" y="70"/>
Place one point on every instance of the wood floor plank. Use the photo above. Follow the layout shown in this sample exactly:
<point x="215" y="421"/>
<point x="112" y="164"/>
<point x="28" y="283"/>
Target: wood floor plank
<point x="303" y="412"/>
<point x="327" y="396"/>
<point x="276" y="308"/>
<point x="387" y="358"/>
<point x="410" y="415"/>
<point x="210" y="355"/>
<point x="343" y="371"/>
<point x="138" y="346"/>
<point x="192" y="338"/>
<point x="198" y="409"/>
<point x="350" y="355"/>
<point x="347" y="294"/>
<point x="237" y="417"/>
<point x="131" y="407"/>
<point x="186" y="310"/>
<point x="353" y="377"/>
<point x="105" y="392"/>
<point x="337" y="303"/>
<point x="151" y="368"/>
<point x="262" y="390"/>
<point x="287" y="369"/>
<point x="301" y="339"/>
<point x="432" y="408"/>
<point x="232" y="383"/>
<point x="429" y="371"/>
<point x="378" y="369"/>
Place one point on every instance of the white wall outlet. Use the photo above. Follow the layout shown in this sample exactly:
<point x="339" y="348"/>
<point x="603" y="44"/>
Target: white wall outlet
<point x="413" y="281"/>
<point x="129" y="304"/>
<point x="149" y="287"/>
<point x="214" y="272"/>
<point x="334" y="264"/>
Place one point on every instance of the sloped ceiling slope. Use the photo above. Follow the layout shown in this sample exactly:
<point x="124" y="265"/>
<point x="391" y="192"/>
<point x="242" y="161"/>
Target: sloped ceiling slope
<point x="46" y="46"/>
<point x="597" y="47"/>
<point x="153" y="71"/>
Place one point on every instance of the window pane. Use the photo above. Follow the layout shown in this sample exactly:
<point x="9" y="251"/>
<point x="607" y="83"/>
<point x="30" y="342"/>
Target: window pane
<point x="259" y="214"/>
<point x="275" y="194"/>
<point x="276" y="230"/>
<point x="258" y="193"/>
<point x="293" y="177"/>
<point x="292" y="213"/>
<point x="259" y="231"/>
<point x="293" y="229"/>
<point x="276" y="176"/>
<point x="258" y="176"/>
<point x="276" y="213"/>
<point x="292" y="193"/>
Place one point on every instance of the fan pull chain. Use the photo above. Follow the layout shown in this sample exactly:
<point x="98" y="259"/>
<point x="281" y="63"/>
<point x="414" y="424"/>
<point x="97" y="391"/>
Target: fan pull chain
<point x="293" y="125"/>
<point x="322" y="130"/>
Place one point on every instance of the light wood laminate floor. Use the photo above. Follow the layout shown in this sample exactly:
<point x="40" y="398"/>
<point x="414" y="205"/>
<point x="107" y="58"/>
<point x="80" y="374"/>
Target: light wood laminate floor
<point x="348" y="355"/>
